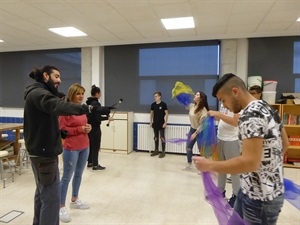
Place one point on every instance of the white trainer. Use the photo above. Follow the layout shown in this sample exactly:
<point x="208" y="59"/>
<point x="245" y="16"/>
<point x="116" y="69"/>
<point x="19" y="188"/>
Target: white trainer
<point x="64" y="216"/>
<point x="188" y="167"/>
<point x="78" y="204"/>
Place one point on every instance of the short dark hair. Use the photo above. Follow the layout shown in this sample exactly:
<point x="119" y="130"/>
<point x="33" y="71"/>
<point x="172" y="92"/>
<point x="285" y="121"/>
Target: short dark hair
<point x="95" y="90"/>
<point x="256" y="88"/>
<point x="221" y="82"/>
<point x="158" y="93"/>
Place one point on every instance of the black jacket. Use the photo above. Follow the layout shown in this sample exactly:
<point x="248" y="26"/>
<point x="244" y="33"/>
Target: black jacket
<point x="41" y="129"/>
<point x="99" y="114"/>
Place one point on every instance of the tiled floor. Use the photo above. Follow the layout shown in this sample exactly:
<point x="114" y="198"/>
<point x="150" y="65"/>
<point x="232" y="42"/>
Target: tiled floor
<point x="135" y="189"/>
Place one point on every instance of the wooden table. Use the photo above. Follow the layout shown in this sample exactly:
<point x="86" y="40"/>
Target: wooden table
<point x="4" y="143"/>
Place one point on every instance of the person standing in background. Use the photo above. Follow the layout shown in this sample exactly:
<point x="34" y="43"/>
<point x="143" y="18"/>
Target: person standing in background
<point x="95" y="119"/>
<point x="228" y="146"/>
<point x="197" y="111"/>
<point x="43" y="139"/>
<point x="256" y="91"/>
<point x="158" y="121"/>
<point x="75" y="153"/>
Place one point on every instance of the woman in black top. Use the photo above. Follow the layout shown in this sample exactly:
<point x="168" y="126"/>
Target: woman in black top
<point x="95" y="119"/>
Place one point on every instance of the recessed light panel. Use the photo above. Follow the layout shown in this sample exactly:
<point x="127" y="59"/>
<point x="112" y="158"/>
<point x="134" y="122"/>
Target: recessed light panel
<point x="68" y="31"/>
<point x="178" y="23"/>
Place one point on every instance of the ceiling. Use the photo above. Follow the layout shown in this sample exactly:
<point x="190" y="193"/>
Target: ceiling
<point x="24" y="23"/>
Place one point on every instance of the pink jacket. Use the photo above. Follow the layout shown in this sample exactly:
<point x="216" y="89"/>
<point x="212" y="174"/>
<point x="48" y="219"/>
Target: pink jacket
<point x="76" y="138"/>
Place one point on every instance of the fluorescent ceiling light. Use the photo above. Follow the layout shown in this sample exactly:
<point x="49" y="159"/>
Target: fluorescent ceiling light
<point x="178" y="23"/>
<point x="68" y="31"/>
<point x="1" y="40"/>
<point x="298" y="20"/>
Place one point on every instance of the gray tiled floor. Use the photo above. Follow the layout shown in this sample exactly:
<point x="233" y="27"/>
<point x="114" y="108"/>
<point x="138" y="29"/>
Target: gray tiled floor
<point x="135" y="189"/>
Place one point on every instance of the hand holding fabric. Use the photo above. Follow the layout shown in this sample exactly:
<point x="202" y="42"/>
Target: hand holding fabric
<point x="201" y="163"/>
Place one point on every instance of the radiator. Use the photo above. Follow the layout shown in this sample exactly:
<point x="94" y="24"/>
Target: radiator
<point x="145" y="138"/>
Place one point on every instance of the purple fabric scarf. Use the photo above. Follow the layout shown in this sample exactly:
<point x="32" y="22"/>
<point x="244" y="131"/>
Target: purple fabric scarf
<point x="223" y="211"/>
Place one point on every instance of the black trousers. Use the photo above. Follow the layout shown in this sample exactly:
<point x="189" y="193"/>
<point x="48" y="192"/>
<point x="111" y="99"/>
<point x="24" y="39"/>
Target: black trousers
<point x="159" y="132"/>
<point x="47" y="193"/>
<point x="95" y="141"/>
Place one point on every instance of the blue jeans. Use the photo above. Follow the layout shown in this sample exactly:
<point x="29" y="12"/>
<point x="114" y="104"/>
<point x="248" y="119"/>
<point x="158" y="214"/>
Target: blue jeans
<point x="256" y="212"/>
<point x="190" y="145"/>
<point x="74" y="162"/>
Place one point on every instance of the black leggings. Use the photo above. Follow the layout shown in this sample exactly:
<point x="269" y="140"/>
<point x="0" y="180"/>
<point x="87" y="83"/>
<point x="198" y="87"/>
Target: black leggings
<point x="95" y="141"/>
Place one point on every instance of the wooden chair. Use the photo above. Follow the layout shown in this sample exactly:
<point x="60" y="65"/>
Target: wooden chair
<point x="4" y="159"/>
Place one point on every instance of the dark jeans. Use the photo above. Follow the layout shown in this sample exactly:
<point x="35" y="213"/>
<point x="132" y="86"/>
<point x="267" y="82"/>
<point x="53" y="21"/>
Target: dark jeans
<point x="159" y="132"/>
<point x="256" y="212"/>
<point x="95" y="141"/>
<point x="47" y="193"/>
<point x="190" y="144"/>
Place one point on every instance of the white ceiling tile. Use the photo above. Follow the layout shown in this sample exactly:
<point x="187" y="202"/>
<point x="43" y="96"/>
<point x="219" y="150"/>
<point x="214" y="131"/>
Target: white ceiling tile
<point x="173" y="10"/>
<point x="132" y="15"/>
<point x="284" y="16"/>
<point x="238" y="29"/>
<point x="246" y="19"/>
<point x="24" y="23"/>
<point x="272" y="27"/>
<point x="286" y="5"/>
<point x="252" y="6"/>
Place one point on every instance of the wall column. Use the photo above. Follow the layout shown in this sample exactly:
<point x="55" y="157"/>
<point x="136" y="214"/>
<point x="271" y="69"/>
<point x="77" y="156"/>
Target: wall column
<point x="234" y="57"/>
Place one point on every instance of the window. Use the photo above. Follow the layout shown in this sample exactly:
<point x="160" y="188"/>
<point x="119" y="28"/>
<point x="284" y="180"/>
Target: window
<point x="16" y="66"/>
<point x="296" y="67"/>
<point x="135" y="72"/>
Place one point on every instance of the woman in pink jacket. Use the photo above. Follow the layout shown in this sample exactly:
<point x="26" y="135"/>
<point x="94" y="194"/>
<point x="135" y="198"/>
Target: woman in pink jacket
<point x="75" y="153"/>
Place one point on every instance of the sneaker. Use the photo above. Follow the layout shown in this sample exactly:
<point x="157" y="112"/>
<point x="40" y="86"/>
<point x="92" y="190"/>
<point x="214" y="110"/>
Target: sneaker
<point x="224" y="194"/>
<point x="64" y="215"/>
<point x="162" y="154"/>
<point x="232" y="200"/>
<point x="90" y="165"/>
<point x="78" y="204"/>
<point x="228" y="180"/>
<point x="156" y="152"/>
<point x="187" y="167"/>
<point x="99" y="167"/>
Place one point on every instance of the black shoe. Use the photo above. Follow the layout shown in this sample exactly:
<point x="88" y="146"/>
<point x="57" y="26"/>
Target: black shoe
<point x="161" y="155"/>
<point x="232" y="200"/>
<point x="98" y="167"/>
<point x="224" y="194"/>
<point x="90" y="165"/>
<point x="156" y="152"/>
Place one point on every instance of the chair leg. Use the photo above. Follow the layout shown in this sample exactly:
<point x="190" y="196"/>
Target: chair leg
<point x="12" y="174"/>
<point x="3" y="179"/>
<point x="11" y="171"/>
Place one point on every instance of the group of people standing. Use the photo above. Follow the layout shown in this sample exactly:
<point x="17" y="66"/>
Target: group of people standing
<point x="251" y="145"/>
<point x="256" y="164"/>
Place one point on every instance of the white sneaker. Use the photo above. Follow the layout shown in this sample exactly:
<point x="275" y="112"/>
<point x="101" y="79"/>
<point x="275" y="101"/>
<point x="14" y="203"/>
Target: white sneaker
<point x="187" y="167"/>
<point x="78" y="204"/>
<point x="64" y="215"/>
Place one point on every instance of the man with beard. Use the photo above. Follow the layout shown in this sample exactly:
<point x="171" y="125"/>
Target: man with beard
<point x="263" y="141"/>
<point x="43" y="139"/>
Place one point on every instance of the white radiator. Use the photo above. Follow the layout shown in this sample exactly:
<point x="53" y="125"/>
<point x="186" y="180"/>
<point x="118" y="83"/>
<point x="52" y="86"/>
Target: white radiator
<point x="145" y="138"/>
